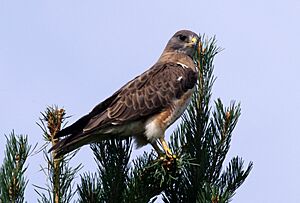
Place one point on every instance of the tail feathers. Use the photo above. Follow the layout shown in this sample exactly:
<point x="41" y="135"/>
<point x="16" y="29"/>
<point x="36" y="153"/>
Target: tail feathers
<point x="71" y="143"/>
<point x="75" y="128"/>
<point x="81" y="123"/>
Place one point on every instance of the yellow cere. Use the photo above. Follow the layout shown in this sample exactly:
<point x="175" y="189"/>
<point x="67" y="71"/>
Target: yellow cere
<point x="194" y="39"/>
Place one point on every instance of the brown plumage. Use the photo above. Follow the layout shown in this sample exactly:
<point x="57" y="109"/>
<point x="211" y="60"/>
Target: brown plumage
<point x="144" y="107"/>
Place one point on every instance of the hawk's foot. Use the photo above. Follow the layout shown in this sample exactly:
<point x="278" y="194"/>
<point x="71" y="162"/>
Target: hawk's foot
<point x="165" y="146"/>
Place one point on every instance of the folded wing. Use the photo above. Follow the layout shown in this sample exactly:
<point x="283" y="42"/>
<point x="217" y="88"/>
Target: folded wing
<point x="139" y="99"/>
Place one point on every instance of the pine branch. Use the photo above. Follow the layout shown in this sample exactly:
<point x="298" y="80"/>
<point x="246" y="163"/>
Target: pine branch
<point x="112" y="157"/>
<point x="58" y="171"/>
<point x="12" y="180"/>
<point x="221" y="126"/>
<point x="150" y="176"/>
<point x="233" y="176"/>
<point x="116" y="181"/>
<point x="90" y="189"/>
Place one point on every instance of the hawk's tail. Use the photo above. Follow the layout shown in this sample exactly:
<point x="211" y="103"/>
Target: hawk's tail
<point x="72" y="142"/>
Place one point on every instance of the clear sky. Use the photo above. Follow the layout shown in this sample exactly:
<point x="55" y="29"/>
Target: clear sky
<point x="76" y="53"/>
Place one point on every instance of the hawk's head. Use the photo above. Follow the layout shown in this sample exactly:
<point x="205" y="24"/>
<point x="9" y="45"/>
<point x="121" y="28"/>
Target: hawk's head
<point x="183" y="41"/>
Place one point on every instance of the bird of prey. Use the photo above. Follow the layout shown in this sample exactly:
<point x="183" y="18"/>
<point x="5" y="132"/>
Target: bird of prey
<point x="144" y="107"/>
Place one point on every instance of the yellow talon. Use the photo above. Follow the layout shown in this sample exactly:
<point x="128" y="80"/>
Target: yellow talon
<point x="166" y="148"/>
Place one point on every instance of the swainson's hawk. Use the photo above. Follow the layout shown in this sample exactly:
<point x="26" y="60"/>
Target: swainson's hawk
<point x="144" y="107"/>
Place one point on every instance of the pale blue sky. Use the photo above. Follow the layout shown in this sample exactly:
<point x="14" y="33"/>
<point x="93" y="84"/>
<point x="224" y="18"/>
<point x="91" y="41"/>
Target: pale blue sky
<point x="76" y="53"/>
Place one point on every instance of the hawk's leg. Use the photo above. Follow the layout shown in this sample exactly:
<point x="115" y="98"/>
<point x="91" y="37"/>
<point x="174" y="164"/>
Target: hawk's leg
<point x="157" y="149"/>
<point x="166" y="147"/>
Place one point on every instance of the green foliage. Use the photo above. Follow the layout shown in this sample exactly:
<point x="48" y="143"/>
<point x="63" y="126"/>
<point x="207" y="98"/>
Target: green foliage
<point x="12" y="179"/>
<point x="59" y="187"/>
<point x="145" y="181"/>
<point x="118" y="181"/>
<point x="90" y="189"/>
<point x="112" y="158"/>
<point x="63" y="189"/>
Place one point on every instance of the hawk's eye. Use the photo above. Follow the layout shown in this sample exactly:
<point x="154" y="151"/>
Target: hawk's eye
<point x="182" y="37"/>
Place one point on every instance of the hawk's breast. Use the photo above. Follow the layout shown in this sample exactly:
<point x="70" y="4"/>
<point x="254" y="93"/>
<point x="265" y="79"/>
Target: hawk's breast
<point x="157" y="124"/>
<point x="178" y="107"/>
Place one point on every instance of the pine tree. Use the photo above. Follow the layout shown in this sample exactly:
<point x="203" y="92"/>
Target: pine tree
<point x="12" y="172"/>
<point x="59" y="173"/>
<point x="201" y="143"/>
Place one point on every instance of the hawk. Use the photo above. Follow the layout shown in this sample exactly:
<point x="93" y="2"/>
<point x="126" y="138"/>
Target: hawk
<point x="144" y="107"/>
